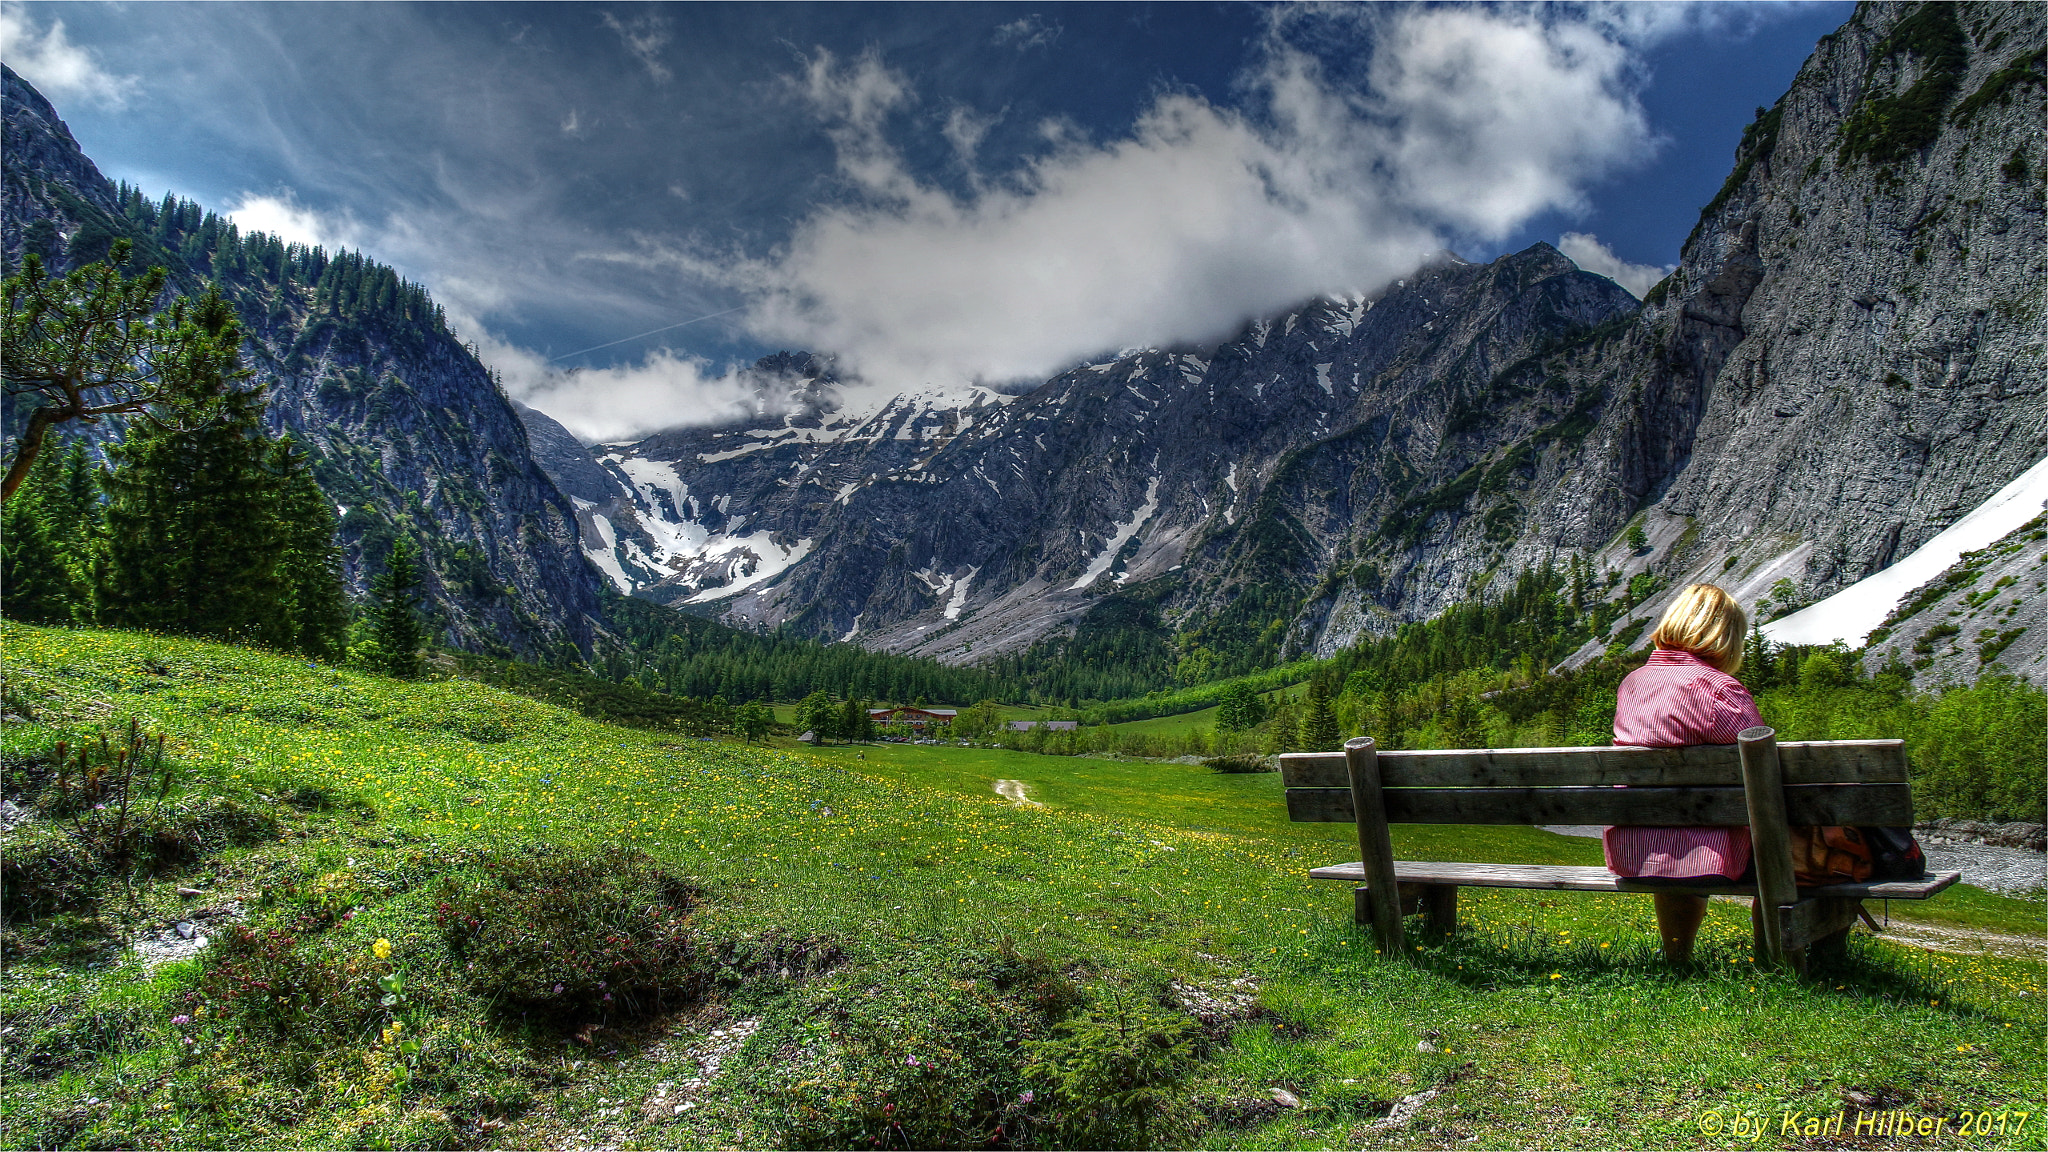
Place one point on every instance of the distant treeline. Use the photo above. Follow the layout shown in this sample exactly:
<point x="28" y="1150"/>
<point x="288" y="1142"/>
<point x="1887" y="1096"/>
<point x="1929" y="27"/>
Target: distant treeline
<point x="1475" y="677"/>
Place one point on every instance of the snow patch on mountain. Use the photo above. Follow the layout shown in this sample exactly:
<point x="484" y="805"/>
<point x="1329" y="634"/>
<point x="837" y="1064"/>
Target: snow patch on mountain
<point x="1850" y="614"/>
<point x="1122" y="535"/>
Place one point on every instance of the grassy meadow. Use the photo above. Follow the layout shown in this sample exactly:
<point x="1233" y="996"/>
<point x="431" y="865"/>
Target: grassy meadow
<point x="447" y="916"/>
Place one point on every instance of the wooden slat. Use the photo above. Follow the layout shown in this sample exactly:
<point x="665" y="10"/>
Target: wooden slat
<point x="1585" y="878"/>
<point x="1701" y="766"/>
<point x="1886" y="804"/>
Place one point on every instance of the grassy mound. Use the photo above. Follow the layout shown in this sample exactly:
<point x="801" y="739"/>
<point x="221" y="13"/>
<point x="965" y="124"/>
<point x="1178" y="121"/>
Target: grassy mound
<point x="445" y="916"/>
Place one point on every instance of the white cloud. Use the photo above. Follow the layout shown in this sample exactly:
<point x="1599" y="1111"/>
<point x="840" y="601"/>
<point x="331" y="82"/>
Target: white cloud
<point x="1589" y="253"/>
<point x="628" y="401"/>
<point x="1033" y="31"/>
<point x="1489" y="117"/>
<point x="616" y="404"/>
<point x="965" y="129"/>
<point x="285" y="218"/>
<point x="644" y="37"/>
<point x="1469" y="122"/>
<point x="58" y="68"/>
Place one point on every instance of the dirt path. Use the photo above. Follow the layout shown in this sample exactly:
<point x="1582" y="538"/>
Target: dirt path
<point x="1965" y="941"/>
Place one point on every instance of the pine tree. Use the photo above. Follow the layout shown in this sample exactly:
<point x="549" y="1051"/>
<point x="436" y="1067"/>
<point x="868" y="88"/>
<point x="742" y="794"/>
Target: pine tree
<point x="1319" y="729"/>
<point x="1282" y="735"/>
<point x="194" y="538"/>
<point x="394" y="623"/>
<point x="310" y="568"/>
<point x="36" y="585"/>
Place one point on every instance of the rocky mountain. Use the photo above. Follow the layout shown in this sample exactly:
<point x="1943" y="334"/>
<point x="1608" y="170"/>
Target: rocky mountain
<point x="1850" y="355"/>
<point x="955" y="528"/>
<point x="409" y="433"/>
<point x="1848" y="359"/>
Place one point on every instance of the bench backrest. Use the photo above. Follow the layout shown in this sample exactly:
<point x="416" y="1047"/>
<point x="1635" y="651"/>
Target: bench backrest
<point x="1826" y="782"/>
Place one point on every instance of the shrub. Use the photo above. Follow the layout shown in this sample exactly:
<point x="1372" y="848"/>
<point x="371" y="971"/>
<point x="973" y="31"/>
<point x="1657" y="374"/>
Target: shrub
<point x="50" y="867"/>
<point x="573" y="936"/>
<point x="271" y="981"/>
<point x="1111" y="1069"/>
<point x="1980" y="749"/>
<point x="46" y="870"/>
<point x="928" y="1054"/>
<point x="1238" y="763"/>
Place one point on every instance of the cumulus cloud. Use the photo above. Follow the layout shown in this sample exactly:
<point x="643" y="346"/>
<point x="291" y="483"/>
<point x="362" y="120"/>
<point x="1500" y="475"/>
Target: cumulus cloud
<point x="1467" y="123"/>
<point x="628" y="401"/>
<point x="1590" y="254"/>
<point x="60" y="69"/>
<point x="1489" y="117"/>
<point x="285" y="218"/>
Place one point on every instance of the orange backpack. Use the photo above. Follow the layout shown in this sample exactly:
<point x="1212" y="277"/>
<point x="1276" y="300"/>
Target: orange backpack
<point x="1823" y="855"/>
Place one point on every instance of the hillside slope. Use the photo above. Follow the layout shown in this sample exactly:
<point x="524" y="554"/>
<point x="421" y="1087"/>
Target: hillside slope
<point x="408" y="432"/>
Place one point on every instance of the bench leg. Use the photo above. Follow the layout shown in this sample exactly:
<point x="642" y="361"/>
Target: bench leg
<point x="1814" y="926"/>
<point x="1412" y="899"/>
<point x="1440" y="909"/>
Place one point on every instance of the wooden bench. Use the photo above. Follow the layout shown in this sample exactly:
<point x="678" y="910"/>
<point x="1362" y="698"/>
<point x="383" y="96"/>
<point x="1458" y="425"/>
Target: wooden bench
<point x="1757" y="782"/>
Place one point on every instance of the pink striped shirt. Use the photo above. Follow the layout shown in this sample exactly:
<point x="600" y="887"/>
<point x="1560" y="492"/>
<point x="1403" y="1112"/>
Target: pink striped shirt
<point x="1674" y="700"/>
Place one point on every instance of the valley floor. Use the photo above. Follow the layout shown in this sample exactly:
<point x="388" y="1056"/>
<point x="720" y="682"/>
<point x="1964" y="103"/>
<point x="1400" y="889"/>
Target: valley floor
<point x="880" y="949"/>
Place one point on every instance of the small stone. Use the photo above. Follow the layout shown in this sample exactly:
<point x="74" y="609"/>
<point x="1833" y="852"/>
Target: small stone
<point x="1286" y="1099"/>
<point x="189" y="893"/>
<point x="682" y="1108"/>
<point x="1424" y="1046"/>
<point x="185" y="929"/>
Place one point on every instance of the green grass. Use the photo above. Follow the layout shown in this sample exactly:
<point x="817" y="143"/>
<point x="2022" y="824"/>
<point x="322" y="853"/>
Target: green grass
<point x="935" y="936"/>
<point x="1171" y="725"/>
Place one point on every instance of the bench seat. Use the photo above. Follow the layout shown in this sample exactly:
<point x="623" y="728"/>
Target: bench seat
<point x="1584" y="878"/>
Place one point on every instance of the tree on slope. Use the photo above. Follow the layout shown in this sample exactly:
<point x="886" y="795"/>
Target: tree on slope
<point x="394" y="621"/>
<point x="37" y="585"/>
<point x="194" y="535"/>
<point x="310" y="567"/>
<point x="94" y="343"/>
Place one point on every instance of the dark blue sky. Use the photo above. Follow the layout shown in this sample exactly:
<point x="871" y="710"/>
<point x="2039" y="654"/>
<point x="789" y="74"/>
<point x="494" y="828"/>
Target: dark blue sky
<point x="936" y="191"/>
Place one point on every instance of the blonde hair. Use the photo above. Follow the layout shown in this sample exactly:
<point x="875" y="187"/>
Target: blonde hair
<point x="1706" y="622"/>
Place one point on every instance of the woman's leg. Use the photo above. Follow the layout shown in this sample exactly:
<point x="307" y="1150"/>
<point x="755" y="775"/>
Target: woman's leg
<point x="1678" y="922"/>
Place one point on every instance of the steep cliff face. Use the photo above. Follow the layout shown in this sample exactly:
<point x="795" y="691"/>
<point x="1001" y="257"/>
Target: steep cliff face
<point x="408" y="432"/>
<point x="1850" y="355"/>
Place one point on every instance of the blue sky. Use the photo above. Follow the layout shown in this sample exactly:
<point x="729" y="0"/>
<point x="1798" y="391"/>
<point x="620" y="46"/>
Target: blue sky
<point x="937" y="193"/>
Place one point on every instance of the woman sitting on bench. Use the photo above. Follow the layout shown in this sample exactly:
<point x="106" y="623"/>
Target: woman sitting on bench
<point x="1686" y="694"/>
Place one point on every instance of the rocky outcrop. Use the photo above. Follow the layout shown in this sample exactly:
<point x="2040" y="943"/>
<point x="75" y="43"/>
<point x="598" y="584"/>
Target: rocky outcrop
<point x="408" y="432"/>
<point x="1984" y="611"/>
